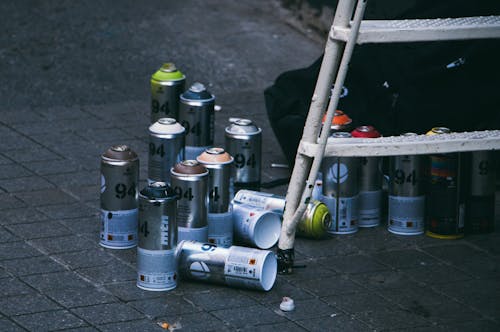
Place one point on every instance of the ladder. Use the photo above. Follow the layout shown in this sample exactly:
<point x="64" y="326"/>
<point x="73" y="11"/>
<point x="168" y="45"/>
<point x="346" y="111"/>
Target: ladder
<point x="348" y="29"/>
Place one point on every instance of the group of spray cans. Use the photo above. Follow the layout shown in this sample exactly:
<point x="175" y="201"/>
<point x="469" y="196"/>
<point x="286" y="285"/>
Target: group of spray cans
<point x="182" y="221"/>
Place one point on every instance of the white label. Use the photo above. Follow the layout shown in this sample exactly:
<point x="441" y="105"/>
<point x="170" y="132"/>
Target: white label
<point x="406" y="214"/>
<point x="346" y="220"/>
<point x="369" y="208"/>
<point x="194" y="234"/>
<point x="156" y="269"/>
<point x="243" y="268"/>
<point x="119" y="228"/>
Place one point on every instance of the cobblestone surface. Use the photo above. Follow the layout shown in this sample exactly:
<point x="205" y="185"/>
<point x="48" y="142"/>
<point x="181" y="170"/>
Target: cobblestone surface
<point x="76" y="80"/>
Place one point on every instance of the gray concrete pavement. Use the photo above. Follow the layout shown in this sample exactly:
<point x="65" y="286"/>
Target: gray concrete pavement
<point x="76" y="80"/>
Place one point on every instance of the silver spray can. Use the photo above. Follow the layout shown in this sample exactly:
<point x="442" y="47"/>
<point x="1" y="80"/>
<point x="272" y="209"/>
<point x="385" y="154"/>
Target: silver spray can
<point x="156" y="264"/>
<point x="119" y="197"/>
<point x="166" y="148"/>
<point x="341" y="190"/>
<point x="190" y="183"/>
<point x="196" y="114"/>
<point x="167" y="84"/>
<point x="406" y="206"/>
<point x="235" y="266"/>
<point x="244" y="142"/>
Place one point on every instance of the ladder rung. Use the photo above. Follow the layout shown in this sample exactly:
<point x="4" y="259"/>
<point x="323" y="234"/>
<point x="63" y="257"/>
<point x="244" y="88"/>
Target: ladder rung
<point x="390" y="31"/>
<point x="406" y="145"/>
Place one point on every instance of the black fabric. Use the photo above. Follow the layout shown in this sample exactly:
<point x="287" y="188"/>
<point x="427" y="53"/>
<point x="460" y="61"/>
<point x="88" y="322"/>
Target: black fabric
<point x="403" y="87"/>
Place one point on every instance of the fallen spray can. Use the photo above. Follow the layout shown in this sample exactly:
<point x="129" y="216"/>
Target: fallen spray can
<point x="406" y="199"/>
<point x="190" y="181"/>
<point x="314" y="223"/>
<point x="166" y="86"/>
<point x="370" y="182"/>
<point x="197" y="116"/>
<point x="235" y="266"/>
<point x="156" y="262"/>
<point x="119" y="197"/>
<point x="255" y="227"/>
<point x="166" y="148"/>
<point x="243" y="141"/>
<point x="220" y="222"/>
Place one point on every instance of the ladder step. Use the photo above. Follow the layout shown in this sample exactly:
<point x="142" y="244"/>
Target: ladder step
<point x="406" y="145"/>
<point x="391" y="31"/>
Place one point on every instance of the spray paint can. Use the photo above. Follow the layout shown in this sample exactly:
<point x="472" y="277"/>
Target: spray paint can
<point x="196" y="114"/>
<point x="220" y="221"/>
<point x="235" y="266"/>
<point x="244" y="142"/>
<point x="166" y="85"/>
<point x="406" y="201"/>
<point x="190" y="182"/>
<point x="166" y="148"/>
<point x="255" y="227"/>
<point x="119" y="197"/>
<point x="341" y="190"/>
<point x="370" y="182"/>
<point x="156" y="264"/>
<point x="446" y="193"/>
<point x="481" y="198"/>
<point x="314" y="223"/>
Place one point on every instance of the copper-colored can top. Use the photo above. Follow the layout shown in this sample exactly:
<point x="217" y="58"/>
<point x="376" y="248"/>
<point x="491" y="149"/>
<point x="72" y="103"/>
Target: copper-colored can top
<point x="189" y="167"/>
<point x="365" y="132"/>
<point x="438" y="131"/>
<point x="120" y="152"/>
<point x="215" y="156"/>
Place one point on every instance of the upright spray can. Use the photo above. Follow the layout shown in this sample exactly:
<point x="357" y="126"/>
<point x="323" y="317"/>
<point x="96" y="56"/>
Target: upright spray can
<point x="341" y="190"/>
<point x="166" y="148"/>
<point x="446" y="193"/>
<point x="220" y="224"/>
<point x="244" y="142"/>
<point x="166" y="85"/>
<point x="370" y="182"/>
<point x="406" y="207"/>
<point x="119" y="198"/>
<point x="196" y="114"/>
<point x="190" y="183"/>
<point x="481" y="198"/>
<point x="156" y="264"/>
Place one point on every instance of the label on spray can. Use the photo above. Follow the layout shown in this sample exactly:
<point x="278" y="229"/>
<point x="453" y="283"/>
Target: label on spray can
<point x="345" y="217"/>
<point x="195" y="234"/>
<point x="119" y="228"/>
<point x="156" y="269"/>
<point x="369" y="208"/>
<point x="406" y="215"/>
<point x="242" y="267"/>
<point x="220" y="229"/>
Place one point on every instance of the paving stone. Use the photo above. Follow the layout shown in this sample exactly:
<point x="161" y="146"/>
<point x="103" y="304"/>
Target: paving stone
<point x="305" y="309"/>
<point x="413" y="297"/>
<point x="482" y="267"/>
<point x="359" y="302"/>
<point x="455" y="254"/>
<point x="402" y="259"/>
<point x="4" y="273"/>
<point x="8" y="201"/>
<point x="10" y="326"/>
<point x="108" y="313"/>
<point x="81" y="178"/>
<point x="86" y="258"/>
<point x="170" y="304"/>
<point x="339" y="321"/>
<point x="246" y="316"/>
<point x="329" y="286"/>
<point x="4" y="160"/>
<point x="451" y="311"/>
<point x="286" y="326"/>
<point x="39" y="229"/>
<point x="26" y="304"/>
<point x="395" y="319"/>
<point x="63" y="244"/>
<point x="488" y="306"/>
<point x="21" y="216"/>
<point x="487" y="242"/>
<point x="76" y="210"/>
<point x="6" y="236"/>
<point x="324" y="248"/>
<point x="111" y="273"/>
<point x="311" y="269"/>
<point x="53" y="167"/>
<point x="132" y="326"/>
<point x="56" y="280"/>
<point x="80" y="297"/>
<point x="105" y="135"/>
<point x="49" y="321"/>
<point x="472" y="326"/>
<point x="128" y="291"/>
<point x="215" y="300"/>
<point x="46" y="197"/>
<point x="437" y="274"/>
<point x="39" y="154"/>
<point x="12" y="250"/>
<point x="275" y="295"/>
<point x="470" y="289"/>
<point x="14" y="142"/>
<point x="13" y="287"/>
<point x="377" y="242"/>
<point x="383" y="280"/>
<point x="32" y="265"/>
<point x="13" y="171"/>
<point x="353" y="264"/>
<point x="85" y="225"/>
<point x="126" y="255"/>
<point x="24" y="184"/>
<point x="85" y="193"/>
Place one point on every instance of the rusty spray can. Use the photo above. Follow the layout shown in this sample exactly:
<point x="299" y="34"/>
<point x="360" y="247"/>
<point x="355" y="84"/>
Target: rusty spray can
<point x="167" y="84"/>
<point x="156" y="264"/>
<point x="119" y="197"/>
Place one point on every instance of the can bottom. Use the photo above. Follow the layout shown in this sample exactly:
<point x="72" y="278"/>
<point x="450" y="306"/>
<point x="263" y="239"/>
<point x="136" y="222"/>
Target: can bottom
<point x="113" y="247"/>
<point x="368" y="225"/>
<point x="405" y="233"/>
<point x="444" y="237"/>
<point x="156" y="289"/>
<point x="348" y="232"/>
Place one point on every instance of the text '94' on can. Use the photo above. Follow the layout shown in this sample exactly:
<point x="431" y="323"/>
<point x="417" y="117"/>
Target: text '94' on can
<point x="197" y="115"/>
<point x="166" y="148"/>
<point x="119" y="197"/>
<point x="167" y="84"/>
<point x="244" y="142"/>
<point x="406" y="206"/>
<point x="156" y="263"/>
<point x="190" y="183"/>
<point x="341" y="190"/>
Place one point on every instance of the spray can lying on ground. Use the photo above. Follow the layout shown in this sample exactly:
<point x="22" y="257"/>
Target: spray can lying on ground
<point x="255" y="227"/>
<point x="166" y="85"/>
<point x="314" y="223"/>
<point x="235" y="266"/>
